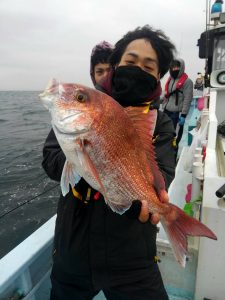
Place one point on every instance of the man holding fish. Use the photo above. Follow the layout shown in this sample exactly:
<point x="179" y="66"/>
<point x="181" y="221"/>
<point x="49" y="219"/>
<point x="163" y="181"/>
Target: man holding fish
<point x="112" y="178"/>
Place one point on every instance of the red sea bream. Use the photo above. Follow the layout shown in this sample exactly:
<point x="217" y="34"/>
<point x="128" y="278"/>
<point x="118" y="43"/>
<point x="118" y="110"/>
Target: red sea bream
<point x="110" y="147"/>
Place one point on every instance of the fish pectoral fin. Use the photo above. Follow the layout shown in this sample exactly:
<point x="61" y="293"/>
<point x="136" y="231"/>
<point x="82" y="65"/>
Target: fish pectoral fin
<point x="69" y="177"/>
<point x="87" y="163"/>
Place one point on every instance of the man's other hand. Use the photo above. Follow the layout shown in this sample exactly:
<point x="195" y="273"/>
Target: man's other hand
<point x="144" y="215"/>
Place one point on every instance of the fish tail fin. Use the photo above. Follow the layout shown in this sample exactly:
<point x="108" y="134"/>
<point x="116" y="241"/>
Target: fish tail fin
<point x="178" y="225"/>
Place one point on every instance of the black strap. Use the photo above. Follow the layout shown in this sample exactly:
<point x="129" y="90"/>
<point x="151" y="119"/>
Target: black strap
<point x="176" y="91"/>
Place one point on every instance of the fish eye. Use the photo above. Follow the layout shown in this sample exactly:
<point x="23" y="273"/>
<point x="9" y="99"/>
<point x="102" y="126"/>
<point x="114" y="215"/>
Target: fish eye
<point x="80" y="97"/>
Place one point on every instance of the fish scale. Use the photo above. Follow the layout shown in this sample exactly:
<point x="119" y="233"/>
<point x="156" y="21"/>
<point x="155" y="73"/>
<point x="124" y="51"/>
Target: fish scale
<point x="126" y="181"/>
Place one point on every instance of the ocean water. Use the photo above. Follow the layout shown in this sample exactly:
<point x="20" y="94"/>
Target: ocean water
<point x="28" y="198"/>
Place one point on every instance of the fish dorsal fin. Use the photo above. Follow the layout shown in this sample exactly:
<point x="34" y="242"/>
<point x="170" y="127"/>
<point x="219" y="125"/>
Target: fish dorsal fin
<point x="144" y="121"/>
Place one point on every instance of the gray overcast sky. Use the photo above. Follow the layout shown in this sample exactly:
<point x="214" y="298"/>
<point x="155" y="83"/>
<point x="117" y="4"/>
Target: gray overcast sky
<point x="41" y="39"/>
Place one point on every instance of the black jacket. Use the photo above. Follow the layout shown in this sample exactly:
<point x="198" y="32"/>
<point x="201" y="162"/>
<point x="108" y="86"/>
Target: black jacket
<point x="90" y="239"/>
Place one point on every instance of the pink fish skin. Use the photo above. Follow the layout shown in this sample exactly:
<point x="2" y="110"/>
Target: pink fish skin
<point x="110" y="147"/>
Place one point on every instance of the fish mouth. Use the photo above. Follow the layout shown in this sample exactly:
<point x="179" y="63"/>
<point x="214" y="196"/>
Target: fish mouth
<point x="71" y="116"/>
<point x="72" y="134"/>
<point x="60" y="125"/>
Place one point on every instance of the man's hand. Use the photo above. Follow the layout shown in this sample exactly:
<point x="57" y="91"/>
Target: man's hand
<point x="139" y="210"/>
<point x="144" y="215"/>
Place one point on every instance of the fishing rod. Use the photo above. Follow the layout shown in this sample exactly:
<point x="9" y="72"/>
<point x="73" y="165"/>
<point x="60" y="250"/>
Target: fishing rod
<point x="27" y="201"/>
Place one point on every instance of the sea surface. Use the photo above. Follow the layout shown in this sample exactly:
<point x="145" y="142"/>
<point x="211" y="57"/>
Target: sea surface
<point x="28" y="198"/>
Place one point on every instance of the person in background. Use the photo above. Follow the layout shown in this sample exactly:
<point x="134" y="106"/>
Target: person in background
<point x="199" y="82"/>
<point x="99" y="65"/>
<point x="178" y="95"/>
<point x="95" y="248"/>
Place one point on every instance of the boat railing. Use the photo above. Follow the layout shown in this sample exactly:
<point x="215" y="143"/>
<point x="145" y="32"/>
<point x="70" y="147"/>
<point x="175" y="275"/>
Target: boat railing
<point x="210" y="269"/>
<point x="26" y="267"/>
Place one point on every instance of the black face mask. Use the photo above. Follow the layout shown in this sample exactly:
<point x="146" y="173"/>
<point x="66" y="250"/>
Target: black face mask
<point x="132" y="86"/>
<point x="174" y="74"/>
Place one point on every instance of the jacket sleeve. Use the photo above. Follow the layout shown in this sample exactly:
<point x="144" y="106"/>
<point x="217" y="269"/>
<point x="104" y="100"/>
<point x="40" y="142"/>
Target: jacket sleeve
<point x="53" y="157"/>
<point x="187" y="96"/>
<point x="164" y="148"/>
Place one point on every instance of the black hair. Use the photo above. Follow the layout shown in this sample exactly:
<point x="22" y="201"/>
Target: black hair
<point x="159" y="41"/>
<point x="101" y="56"/>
